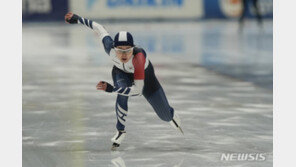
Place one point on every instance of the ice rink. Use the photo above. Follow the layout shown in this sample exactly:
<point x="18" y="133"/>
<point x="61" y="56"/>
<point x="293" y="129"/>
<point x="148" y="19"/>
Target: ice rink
<point x="218" y="79"/>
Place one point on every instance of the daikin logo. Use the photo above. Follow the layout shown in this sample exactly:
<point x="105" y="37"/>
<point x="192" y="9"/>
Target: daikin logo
<point x="137" y="3"/>
<point x="243" y="157"/>
<point x="145" y="3"/>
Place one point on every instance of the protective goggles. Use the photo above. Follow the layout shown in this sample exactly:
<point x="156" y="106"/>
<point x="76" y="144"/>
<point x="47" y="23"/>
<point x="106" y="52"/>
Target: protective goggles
<point x="123" y="50"/>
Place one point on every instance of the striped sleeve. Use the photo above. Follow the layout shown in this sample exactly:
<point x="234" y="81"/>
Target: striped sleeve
<point x="135" y="90"/>
<point x="84" y="21"/>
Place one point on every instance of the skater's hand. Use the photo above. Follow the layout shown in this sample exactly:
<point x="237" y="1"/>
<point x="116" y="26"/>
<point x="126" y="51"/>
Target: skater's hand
<point x="105" y="86"/>
<point x="102" y="86"/>
<point x="71" y="18"/>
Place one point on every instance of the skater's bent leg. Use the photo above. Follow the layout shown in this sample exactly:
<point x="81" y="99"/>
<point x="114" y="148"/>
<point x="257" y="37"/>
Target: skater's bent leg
<point x="121" y="111"/>
<point x="160" y="105"/>
<point x="155" y="95"/>
<point x="121" y="79"/>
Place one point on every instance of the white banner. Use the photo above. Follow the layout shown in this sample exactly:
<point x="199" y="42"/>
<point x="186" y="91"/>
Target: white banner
<point x="137" y="9"/>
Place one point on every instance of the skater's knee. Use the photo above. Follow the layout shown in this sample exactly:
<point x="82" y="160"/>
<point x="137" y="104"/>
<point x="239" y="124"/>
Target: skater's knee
<point x="123" y="82"/>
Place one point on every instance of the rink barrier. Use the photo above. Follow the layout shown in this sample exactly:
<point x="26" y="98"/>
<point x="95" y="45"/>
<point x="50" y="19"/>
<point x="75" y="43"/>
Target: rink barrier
<point x="137" y="10"/>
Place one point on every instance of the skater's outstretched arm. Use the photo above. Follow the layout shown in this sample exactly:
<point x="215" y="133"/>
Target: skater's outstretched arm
<point x="98" y="28"/>
<point x="139" y="76"/>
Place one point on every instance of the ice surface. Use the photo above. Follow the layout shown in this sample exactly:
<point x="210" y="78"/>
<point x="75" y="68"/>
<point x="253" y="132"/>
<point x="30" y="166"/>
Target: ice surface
<point x="67" y="123"/>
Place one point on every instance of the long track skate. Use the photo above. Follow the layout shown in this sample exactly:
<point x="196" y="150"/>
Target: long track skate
<point x="117" y="139"/>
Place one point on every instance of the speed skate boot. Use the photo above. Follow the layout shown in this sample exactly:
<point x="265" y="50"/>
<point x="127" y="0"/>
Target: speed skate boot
<point x="176" y="122"/>
<point x="117" y="139"/>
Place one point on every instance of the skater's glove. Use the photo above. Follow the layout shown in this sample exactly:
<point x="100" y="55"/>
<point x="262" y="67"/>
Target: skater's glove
<point x="71" y="18"/>
<point x="105" y="86"/>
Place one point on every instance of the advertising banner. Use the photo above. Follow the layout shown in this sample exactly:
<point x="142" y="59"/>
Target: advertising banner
<point x="233" y="8"/>
<point x="44" y="10"/>
<point x="138" y="9"/>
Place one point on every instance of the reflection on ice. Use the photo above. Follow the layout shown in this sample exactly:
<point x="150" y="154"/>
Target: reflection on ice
<point x="118" y="162"/>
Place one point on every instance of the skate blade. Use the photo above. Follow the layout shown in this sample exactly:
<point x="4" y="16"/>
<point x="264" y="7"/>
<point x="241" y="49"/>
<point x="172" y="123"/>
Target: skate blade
<point x="114" y="146"/>
<point x="181" y="130"/>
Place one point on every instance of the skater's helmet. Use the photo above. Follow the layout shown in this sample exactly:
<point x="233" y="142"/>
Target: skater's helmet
<point x="123" y="38"/>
